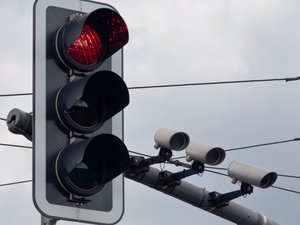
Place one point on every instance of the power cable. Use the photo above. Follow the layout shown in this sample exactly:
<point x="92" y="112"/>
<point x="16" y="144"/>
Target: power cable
<point x="285" y="189"/>
<point x="215" y="168"/>
<point x="286" y="79"/>
<point x="14" y="95"/>
<point x="218" y="173"/>
<point x="13" y="183"/>
<point x="216" y="83"/>
<point x="16" y="146"/>
<point x="264" y="144"/>
<point x="288" y="176"/>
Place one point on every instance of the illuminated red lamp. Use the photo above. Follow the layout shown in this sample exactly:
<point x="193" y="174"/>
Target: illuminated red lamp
<point x="87" y="48"/>
<point x="87" y="40"/>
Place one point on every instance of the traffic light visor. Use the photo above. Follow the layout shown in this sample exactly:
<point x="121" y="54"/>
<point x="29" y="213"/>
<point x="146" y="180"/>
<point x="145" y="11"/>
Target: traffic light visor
<point x="83" y="168"/>
<point x="87" y="40"/>
<point x="86" y="103"/>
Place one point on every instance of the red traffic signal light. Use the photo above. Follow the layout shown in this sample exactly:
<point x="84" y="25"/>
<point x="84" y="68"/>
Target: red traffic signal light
<point x="87" y="48"/>
<point x="87" y="40"/>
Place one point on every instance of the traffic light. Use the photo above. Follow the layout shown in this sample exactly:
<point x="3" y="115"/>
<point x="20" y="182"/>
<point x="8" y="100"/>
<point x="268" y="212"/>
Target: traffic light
<point x="79" y="95"/>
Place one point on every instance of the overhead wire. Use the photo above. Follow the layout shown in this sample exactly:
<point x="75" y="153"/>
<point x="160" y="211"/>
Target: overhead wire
<point x="288" y="79"/>
<point x="286" y="189"/>
<point x="288" y="176"/>
<point x="14" y="183"/>
<point x="16" y="146"/>
<point x="15" y="95"/>
<point x="222" y="174"/>
<point x="215" y="168"/>
<point x="263" y="144"/>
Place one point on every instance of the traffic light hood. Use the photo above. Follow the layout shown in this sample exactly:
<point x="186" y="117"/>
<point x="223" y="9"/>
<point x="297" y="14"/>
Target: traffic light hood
<point x="86" y="103"/>
<point x="83" y="168"/>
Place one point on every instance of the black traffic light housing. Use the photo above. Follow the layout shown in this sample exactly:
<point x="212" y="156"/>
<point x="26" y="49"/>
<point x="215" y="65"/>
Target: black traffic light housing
<point x="79" y="95"/>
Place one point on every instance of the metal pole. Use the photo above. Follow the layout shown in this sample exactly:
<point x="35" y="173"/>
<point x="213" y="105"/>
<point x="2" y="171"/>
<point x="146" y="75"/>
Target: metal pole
<point x="199" y="197"/>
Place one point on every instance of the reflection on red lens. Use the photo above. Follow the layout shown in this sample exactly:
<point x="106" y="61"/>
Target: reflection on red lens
<point x="87" y="48"/>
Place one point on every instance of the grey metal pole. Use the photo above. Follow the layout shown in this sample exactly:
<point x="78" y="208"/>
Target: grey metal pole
<point x="199" y="197"/>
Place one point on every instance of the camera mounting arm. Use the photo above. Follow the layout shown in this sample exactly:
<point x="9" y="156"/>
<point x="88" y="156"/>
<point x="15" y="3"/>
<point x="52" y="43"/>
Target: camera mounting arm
<point x="169" y="178"/>
<point x="223" y="199"/>
<point x="163" y="155"/>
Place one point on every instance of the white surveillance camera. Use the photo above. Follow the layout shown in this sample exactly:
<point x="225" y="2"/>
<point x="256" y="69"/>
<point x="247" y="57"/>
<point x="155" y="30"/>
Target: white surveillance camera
<point x="205" y="153"/>
<point x="170" y="139"/>
<point x="251" y="174"/>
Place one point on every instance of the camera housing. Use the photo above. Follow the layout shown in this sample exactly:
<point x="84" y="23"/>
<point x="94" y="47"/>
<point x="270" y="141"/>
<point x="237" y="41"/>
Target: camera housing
<point x="171" y="139"/>
<point x="251" y="174"/>
<point x="205" y="153"/>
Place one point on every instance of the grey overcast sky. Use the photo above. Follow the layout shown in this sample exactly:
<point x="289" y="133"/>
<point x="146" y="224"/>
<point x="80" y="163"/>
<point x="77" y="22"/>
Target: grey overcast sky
<point x="181" y="41"/>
